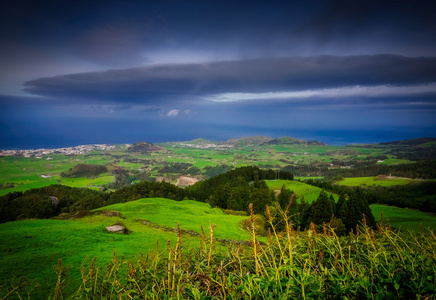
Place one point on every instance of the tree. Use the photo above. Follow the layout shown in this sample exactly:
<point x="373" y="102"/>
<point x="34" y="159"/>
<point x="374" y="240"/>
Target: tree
<point x="321" y="210"/>
<point x="340" y="208"/>
<point x="260" y="199"/>
<point x="284" y="197"/>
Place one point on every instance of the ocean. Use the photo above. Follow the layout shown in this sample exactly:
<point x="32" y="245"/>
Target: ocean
<point x="82" y="134"/>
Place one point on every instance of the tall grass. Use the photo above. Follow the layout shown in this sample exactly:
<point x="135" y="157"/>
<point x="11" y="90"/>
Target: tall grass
<point x="369" y="263"/>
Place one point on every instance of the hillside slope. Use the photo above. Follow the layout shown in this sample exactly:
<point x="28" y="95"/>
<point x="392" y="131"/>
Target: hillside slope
<point x="32" y="247"/>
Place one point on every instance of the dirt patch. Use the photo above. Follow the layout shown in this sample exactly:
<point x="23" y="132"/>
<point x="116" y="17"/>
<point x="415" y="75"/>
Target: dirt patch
<point x="163" y="178"/>
<point x="183" y="181"/>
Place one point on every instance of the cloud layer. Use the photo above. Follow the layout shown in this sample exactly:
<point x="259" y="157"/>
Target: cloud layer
<point x="180" y="81"/>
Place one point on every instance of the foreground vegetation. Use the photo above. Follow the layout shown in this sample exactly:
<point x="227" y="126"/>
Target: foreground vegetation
<point x="371" y="263"/>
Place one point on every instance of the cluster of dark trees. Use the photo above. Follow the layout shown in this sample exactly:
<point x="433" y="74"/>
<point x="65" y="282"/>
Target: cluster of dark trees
<point x="84" y="170"/>
<point x="203" y="190"/>
<point x="36" y="203"/>
<point x="344" y="215"/>
<point x="364" y="168"/>
<point x="424" y="170"/>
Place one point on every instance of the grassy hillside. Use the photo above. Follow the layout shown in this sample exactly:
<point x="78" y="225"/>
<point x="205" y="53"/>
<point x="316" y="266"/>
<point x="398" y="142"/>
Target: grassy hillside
<point x="307" y="265"/>
<point x="300" y="189"/>
<point x="32" y="247"/>
<point x="403" y="218"/>
<point x="190" y="214"/>
<point x="384" y="181"/>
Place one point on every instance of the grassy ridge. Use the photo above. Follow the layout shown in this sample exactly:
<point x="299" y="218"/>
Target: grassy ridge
<point x="190" y="214"/>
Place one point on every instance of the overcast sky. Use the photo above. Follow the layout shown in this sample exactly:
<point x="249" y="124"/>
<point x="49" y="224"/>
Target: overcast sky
<point x="123" y="71"/>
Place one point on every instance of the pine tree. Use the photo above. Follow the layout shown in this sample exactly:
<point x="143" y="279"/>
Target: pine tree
<point x="321" y="210"/>
<point x="354" y="213"/>
<point x="340" y="208"/>
<point x="284" y="197"/>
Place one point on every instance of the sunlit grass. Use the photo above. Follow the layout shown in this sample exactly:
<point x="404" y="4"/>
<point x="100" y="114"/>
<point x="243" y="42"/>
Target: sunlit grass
<point x="404" y="218"/>
<point x="300" y="189"/>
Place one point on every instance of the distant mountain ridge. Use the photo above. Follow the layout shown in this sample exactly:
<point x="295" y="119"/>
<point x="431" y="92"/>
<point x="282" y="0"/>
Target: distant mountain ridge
<point x="411" y="142"/>
<point x="257" y="140"/>
<point x="286" y="140"/>
<point x="253" y="140"/>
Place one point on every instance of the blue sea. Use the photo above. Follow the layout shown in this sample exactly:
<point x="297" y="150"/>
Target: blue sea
<point x="56" y="135"/>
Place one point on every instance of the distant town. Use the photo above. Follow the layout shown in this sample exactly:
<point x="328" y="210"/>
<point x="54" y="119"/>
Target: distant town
<point x="39" y="153"/>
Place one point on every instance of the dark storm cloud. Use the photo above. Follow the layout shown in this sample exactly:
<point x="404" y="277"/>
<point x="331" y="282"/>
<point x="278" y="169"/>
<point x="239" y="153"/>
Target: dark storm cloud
<point x="40" y="39"/>
<point x="181" y="81"/>
<point x="401" y="27"/>
<point x="345" y="17"/>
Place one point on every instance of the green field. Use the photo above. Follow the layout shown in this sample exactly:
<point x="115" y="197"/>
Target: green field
<point x="190" y="214"/>
<point x="32" y="247"/>
<point x="301" y="189"/>
<point x="403" y="218"/>
<point x="395" y="161"/>
<point x="25" y="172"/>
<point x="25" y="185"/>
<point x="375" y="181"/>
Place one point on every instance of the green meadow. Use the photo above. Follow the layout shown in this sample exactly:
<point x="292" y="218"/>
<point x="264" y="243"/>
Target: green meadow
<point x="190" y="214"/>
<point x="26" y="173"/>
<point x="32" y="247"/>
<point x="301" y="189"/>
<point x="24" y="185"/>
